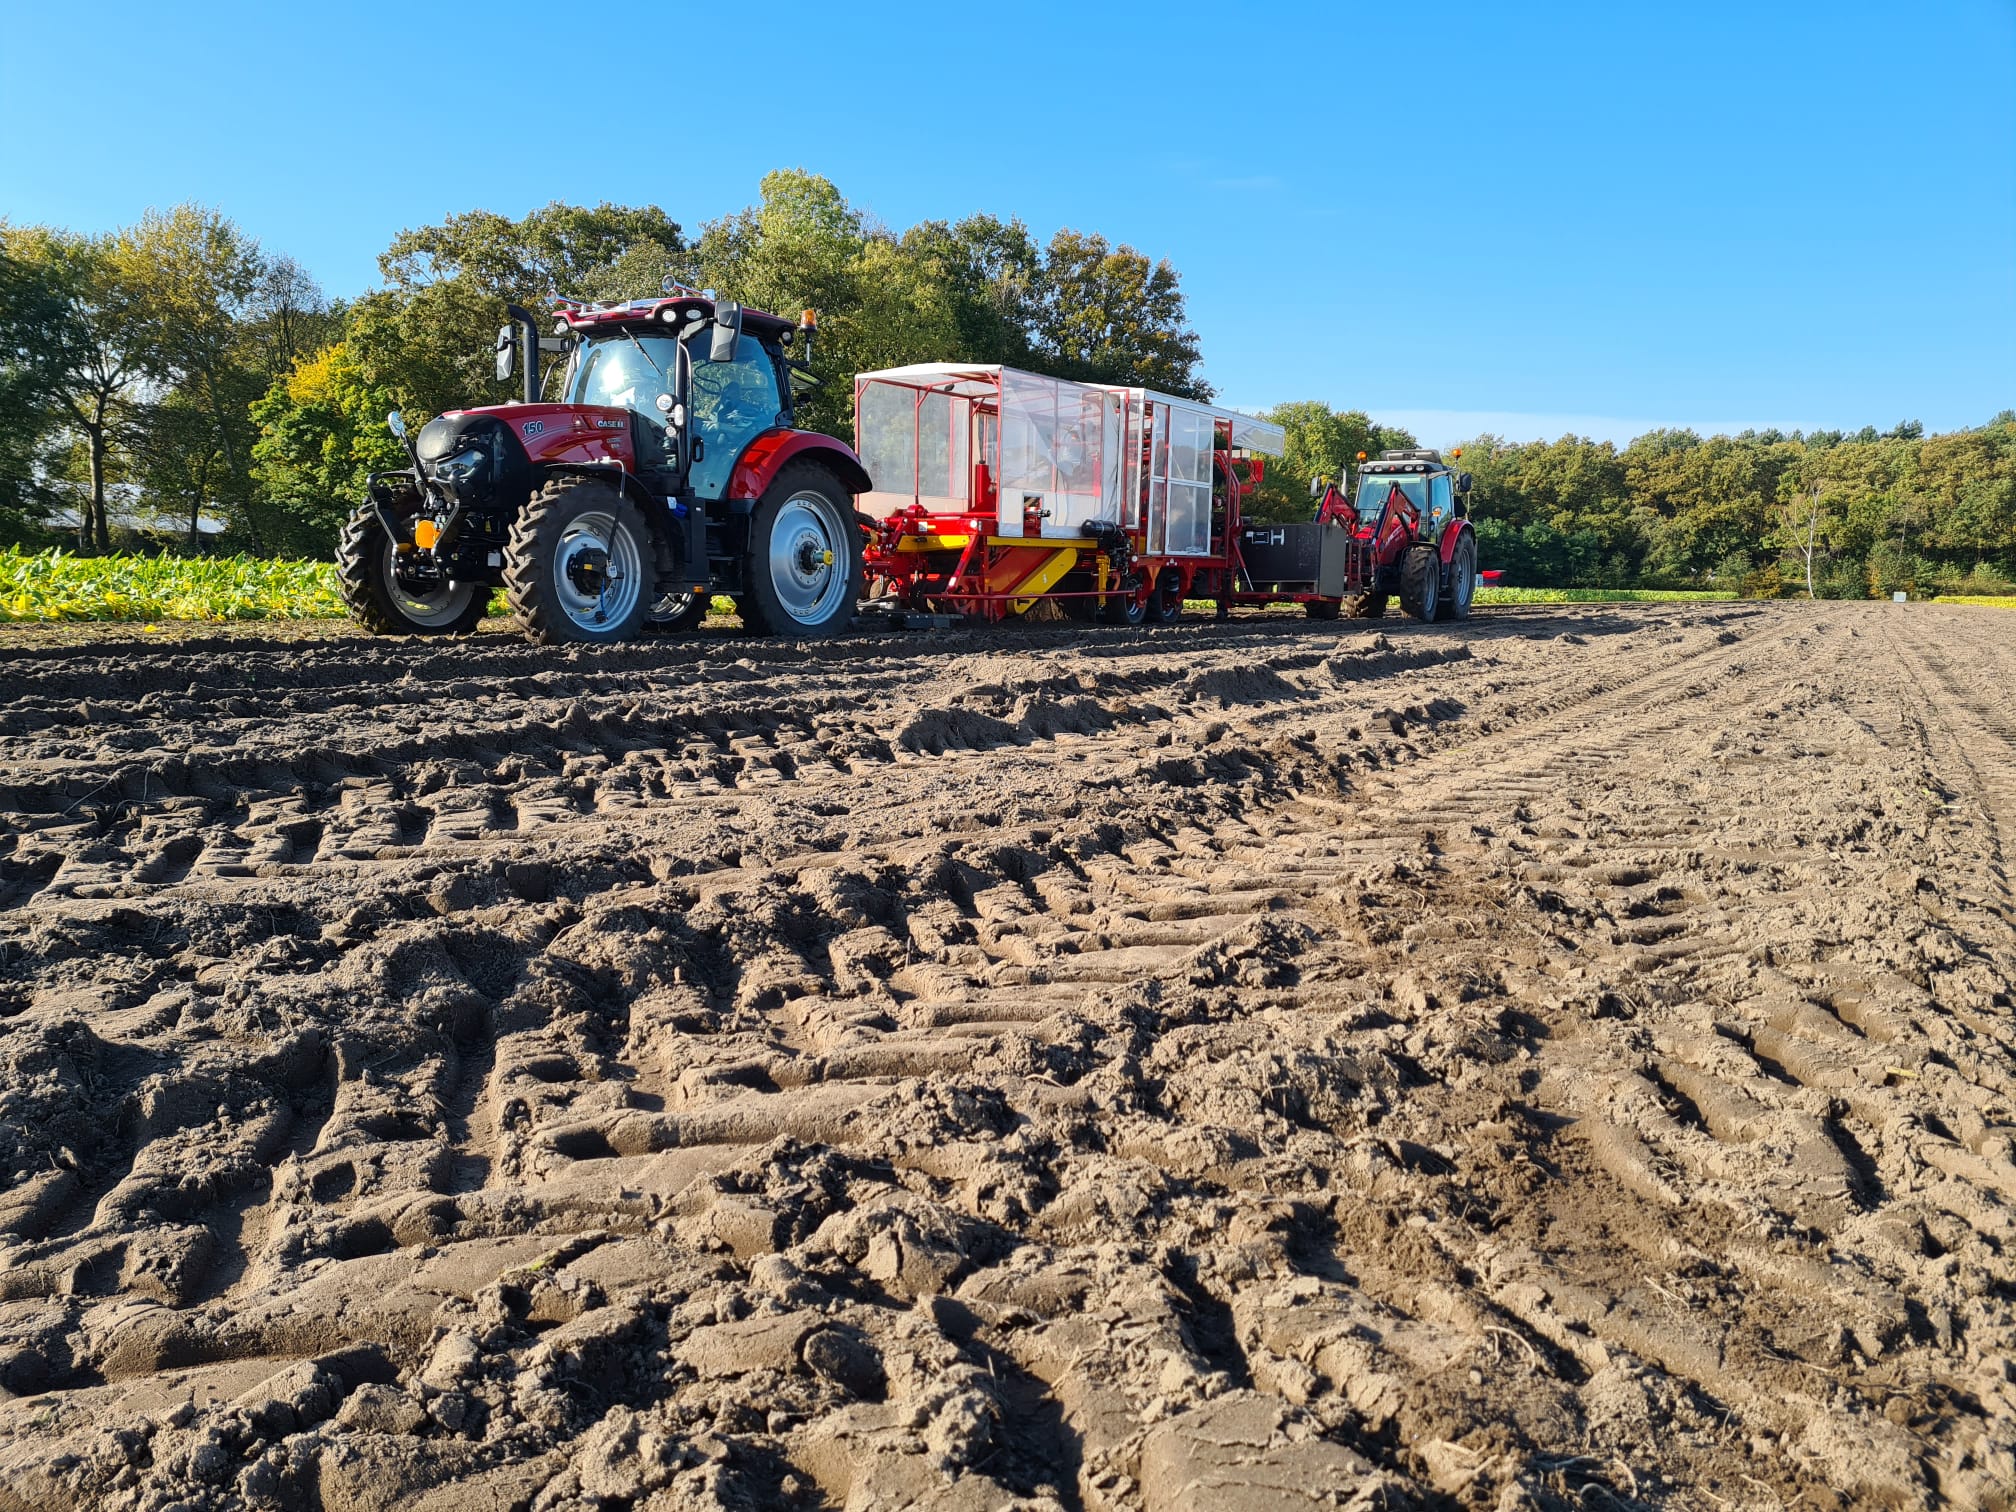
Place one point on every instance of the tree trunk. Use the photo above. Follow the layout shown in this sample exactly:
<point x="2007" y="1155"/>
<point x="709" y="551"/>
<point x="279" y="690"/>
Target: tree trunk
<point x="95" y="510"/>
<point x="230" y="457"/>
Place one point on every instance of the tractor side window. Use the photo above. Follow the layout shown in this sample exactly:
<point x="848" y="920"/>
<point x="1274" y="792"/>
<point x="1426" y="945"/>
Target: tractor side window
<point x="733" y="403"/>
<point x="1441" y="504"/>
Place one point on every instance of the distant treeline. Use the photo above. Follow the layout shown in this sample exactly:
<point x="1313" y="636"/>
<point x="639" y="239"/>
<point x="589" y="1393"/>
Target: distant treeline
<point x="1863" y="513"/>
<point x="173" y="382"/>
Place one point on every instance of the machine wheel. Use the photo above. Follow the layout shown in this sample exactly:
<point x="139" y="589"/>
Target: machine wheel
<point x="576" y="568"/>
<point x="1126" y="607"/>
<point x="1370" y="605"/>
<point x="1462" y="579"/>
<point x="365" y="560"/>
<point x="804" y="569"/>
<point x="676" y="613"/>
<point x="1165" y="604"/>
<point x="1421" y="582"/>
<point x="1321" y="609"/>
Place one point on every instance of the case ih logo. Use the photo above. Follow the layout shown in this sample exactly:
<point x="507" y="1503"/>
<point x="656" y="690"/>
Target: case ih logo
<point x="609" y="425"/>
<point x="534" y="428"/>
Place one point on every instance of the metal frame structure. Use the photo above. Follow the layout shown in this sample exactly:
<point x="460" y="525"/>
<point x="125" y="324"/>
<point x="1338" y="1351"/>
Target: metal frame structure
<point x="995" y="489"/>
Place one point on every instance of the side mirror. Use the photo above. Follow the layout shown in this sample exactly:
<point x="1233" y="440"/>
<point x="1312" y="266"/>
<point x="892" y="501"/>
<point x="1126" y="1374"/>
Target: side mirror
<point x="1463" y="483"/>
<point x="1317" y="485"/>
<point x="727" y="332"/>
<point x="396" y="424"/>
<point x="507" y="351"/>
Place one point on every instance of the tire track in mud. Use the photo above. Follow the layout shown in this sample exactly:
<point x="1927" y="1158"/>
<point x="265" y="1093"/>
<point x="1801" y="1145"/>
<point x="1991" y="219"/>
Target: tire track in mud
<point x="1402" y="1065"/>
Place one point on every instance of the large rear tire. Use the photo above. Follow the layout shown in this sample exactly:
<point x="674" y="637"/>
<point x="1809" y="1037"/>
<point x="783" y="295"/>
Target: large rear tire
<point x="1462" y="580"/>
<point x="804" y="571"/>
<point x="1421" y="582"/>
<point x="366" y="558"/>
<point x="579" y="564"/>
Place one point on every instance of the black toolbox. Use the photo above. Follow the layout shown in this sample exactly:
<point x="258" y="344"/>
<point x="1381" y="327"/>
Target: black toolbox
<point x="1304" y="558"/>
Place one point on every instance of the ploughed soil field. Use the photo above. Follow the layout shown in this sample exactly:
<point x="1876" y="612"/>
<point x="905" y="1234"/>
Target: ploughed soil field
<point x="1562" y="1061"/>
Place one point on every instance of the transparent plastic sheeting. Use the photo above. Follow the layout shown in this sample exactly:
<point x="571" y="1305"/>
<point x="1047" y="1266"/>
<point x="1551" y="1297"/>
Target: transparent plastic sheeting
<point x="1060" y="454"/>
<point x="1179" y="491"/>
<point x="916" y="443"/>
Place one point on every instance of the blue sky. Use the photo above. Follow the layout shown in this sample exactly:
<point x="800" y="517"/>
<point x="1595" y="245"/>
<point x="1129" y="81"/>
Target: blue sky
<point x="1463" y="216"/>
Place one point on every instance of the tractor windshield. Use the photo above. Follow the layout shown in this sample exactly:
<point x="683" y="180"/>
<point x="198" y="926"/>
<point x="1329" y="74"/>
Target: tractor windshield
<point x="1375" y="488"/>
<point x="625" y="373"/>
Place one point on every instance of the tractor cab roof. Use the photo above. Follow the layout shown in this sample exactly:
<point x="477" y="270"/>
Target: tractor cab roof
<point x="683" y="311"/>
<point x="1419" y="459"/>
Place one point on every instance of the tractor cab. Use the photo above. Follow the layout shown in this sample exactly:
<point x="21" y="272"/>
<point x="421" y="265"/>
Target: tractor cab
<point x="1416" y="480"/>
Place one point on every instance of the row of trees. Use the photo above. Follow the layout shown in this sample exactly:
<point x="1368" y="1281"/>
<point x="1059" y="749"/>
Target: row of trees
<point x="1833" y="514"/>
<point x="129" y="364"/>
<point x="177" y="368"/>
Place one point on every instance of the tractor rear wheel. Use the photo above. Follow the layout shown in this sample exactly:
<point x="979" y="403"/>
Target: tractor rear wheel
<point x="804" y="570"/>
<point x="578" y="564"/>
<point x="1421" y="581"/>
<point x="1370" y="605"/>
<point x="367" y="561"/>
<point x="1462" y="579"/>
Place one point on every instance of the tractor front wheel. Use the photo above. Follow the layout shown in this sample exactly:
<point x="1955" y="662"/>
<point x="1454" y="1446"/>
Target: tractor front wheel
<point x="804" y="570"/>
<point x="578" y="566"/>
<point x="367" y="575"/>
<point x="1462" y="579"/>
<point x="1421" y="582"/>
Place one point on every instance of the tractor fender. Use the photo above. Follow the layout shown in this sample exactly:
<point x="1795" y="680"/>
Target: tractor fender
<point x="1451" y="534"/>
<point x="768" y="455"/>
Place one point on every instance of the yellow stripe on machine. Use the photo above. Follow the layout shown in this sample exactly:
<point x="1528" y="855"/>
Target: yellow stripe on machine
<point x="1043" y="578"/>
<point x="932" y="543"/>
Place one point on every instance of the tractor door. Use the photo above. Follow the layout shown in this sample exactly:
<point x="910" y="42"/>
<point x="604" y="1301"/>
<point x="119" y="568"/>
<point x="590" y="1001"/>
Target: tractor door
<point x="732" y="404"/>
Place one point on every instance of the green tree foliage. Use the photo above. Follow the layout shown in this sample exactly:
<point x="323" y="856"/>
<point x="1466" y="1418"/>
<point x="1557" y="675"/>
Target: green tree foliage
<point x="83" y="359"/>
<point x="32" y="309"/>
<point x="1321" y="443"/>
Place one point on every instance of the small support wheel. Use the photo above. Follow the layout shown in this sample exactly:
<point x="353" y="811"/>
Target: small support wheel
<point x="676" y="613"/>
<point x="1370" y="605"/>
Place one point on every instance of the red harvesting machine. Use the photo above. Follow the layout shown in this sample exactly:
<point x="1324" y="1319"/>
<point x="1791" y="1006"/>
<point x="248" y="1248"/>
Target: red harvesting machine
<point x="995" y="490"/>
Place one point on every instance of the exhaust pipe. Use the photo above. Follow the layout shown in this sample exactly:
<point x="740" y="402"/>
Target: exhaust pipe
<point x="528" y="348"/>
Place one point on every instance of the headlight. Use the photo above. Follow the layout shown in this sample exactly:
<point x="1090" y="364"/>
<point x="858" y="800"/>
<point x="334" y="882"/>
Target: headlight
<point x="460" y="467"/>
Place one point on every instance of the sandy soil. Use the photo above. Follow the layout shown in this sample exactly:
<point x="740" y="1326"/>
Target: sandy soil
<point x="1559" y="1061"/>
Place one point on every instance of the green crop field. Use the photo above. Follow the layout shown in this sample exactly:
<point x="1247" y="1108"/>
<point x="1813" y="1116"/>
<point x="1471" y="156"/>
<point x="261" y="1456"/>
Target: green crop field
<point x="55" y="585"/>
<point x="1595" y="596"/>
<point x="1979" y="600"/>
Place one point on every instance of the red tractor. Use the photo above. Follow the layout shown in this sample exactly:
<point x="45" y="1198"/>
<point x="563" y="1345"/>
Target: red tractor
<point x="1408" y="532"/>
<point x="668" y="470"/>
